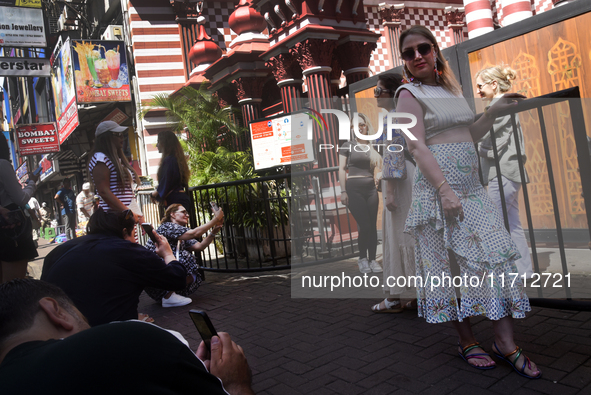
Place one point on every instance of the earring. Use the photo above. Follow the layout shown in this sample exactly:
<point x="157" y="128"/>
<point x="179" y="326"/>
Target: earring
<point x="405" y="78"/>
<point x="437" y="72"/>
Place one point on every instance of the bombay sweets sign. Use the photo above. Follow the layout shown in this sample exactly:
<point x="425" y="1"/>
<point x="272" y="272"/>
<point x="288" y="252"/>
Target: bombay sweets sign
<point x="39" y="138"/>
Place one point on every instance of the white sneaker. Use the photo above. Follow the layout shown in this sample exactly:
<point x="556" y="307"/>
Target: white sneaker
<point x="375" y="266"/>
<point x="363" y="265"/>
<point x="175" y="301"/>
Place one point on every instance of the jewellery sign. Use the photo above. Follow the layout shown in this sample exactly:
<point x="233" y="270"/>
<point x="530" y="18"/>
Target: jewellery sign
<point x="62" y="79"/>
<point x="22" y="27"/>
<point x="40" y="138"/>
<point x="100" y="69"/>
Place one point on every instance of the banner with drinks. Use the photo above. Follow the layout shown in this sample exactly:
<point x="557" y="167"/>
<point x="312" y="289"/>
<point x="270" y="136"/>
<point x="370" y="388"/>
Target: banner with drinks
<point x="62" y="79"/>
<point x="101" y="73"/>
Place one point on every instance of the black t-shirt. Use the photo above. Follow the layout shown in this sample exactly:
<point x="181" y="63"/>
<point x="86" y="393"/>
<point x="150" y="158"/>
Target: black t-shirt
<point x="118" y="358"/>
<point x="358" y="159"/>
<point x="105" y="275"/>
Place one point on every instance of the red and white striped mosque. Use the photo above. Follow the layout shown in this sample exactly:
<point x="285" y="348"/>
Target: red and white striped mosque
<point x="260" y="54"/>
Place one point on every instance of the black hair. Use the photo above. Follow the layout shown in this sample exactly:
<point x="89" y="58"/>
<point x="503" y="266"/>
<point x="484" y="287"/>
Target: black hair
<point x="4" y="150"/>
<point x="113" y="224"/>
<point x="391" y="81"/>
<point x="19" y="304"/>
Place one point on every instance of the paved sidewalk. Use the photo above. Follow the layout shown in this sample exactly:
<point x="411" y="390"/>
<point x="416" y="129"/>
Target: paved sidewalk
<point x="338" y="346"/>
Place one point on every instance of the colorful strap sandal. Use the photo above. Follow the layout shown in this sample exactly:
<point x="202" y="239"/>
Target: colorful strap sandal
<point x="517" y="352"/>
<point x="466" y="357"/>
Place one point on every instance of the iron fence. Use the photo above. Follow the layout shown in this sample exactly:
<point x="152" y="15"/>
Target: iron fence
<point x="278" y="221"/>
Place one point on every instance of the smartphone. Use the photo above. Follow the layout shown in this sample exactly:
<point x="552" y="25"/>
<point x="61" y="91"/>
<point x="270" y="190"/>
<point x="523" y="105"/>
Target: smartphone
<point x="149" y="229"/>
<point x="38" y="171"/>
<point x="214" y="206"/>
<point x="204" y="326"/>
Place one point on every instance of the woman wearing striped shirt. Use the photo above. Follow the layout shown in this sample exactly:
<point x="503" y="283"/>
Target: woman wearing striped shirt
<point x="111" y="172"/>
<point x="452" y="217"/>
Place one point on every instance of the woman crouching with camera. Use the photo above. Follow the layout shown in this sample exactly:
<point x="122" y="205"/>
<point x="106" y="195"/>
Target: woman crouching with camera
<point x="183" y="241"/>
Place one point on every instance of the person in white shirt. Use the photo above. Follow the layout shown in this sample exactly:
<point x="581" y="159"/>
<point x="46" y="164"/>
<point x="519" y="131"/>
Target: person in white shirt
<point x="84" y="203"/>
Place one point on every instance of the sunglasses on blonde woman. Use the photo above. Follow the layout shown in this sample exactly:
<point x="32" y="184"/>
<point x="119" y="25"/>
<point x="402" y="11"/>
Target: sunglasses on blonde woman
<point x="410" y="54"/>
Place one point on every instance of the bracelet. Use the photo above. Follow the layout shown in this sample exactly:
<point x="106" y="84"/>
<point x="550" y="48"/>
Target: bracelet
<point x="343" y="191"/>
<point x="440" y="185"/>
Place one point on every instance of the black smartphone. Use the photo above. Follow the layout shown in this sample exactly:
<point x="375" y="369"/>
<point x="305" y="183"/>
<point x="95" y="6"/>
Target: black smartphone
<point x="204" y="326"/>
<point x="214" y="206"/>
<point x="148" y="228"/>
<point x="38" y="171"/>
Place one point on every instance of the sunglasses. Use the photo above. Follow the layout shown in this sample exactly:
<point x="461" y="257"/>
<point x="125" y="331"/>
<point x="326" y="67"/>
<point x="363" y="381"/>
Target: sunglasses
<point x="127" y="214"/>
<point x="410" y="54"/>
<point x="378" y="91"/>
<point x="479" y="86"/>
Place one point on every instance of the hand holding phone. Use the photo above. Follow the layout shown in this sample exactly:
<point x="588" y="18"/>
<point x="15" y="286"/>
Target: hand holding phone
<point x="149" y="229"/>
<point x="204" y="326"/>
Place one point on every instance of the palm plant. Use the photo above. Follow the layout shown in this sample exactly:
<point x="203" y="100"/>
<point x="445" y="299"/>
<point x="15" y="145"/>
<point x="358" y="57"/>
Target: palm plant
<point x="197" y="112"/>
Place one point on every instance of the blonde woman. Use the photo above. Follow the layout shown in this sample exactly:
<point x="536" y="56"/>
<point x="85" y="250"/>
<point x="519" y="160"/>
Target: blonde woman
<point x="491" y="84"/>
<point x="359" y="192"/>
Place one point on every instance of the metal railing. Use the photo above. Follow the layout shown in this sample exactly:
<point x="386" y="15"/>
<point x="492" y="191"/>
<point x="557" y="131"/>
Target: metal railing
<point x="572" y="98"/>
<point x="274" y="221"/>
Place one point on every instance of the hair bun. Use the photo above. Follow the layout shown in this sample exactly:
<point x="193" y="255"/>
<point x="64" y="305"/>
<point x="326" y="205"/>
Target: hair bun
<point x="509" y="73"/>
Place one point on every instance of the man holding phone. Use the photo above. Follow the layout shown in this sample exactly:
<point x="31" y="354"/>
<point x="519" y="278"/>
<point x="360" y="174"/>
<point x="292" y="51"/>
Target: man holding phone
<point x="43" y="335"/>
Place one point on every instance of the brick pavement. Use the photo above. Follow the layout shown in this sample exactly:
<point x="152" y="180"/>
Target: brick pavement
<point x="338" y="346"/>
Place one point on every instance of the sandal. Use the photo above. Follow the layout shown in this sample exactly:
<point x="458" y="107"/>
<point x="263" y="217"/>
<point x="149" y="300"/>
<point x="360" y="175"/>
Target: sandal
<point x="391" y="307"/>
<point x="411" y="305"/>
<point x="517" y="352"/>
<point x="465" y="356"/>
<point x="144" y="317"/>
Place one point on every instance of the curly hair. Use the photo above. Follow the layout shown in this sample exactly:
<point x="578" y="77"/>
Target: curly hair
<point x="447" y="78"/>
<point x="501" y="73"/>
<point x="170" y="146"/>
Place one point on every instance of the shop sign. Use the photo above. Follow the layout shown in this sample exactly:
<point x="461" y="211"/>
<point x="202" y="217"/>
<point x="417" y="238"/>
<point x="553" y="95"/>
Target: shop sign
<point x="24" y="67"/>
<point x="62" y="79"/>
<point x="100" y="69"/>
<point x="48" y="167"/>
<point x="21" y="3"/>
<point x="22" y="27"/>
<point x="116" y="116"/>
<point x="40" y="138"/>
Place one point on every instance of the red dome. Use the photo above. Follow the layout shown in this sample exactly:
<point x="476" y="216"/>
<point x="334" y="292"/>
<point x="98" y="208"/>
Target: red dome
<point x="204" y="51"/>
<point x="246" y="19"/>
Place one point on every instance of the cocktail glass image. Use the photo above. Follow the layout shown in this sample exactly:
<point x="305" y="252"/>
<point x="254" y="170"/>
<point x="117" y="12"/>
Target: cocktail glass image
<point x="90" y="59"/>
<point x="100" y="65"/>
<point x="113" y="63"/>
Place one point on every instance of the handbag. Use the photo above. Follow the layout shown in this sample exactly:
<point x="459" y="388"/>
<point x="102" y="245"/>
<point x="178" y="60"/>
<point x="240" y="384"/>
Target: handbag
<point x="16" y="225"/>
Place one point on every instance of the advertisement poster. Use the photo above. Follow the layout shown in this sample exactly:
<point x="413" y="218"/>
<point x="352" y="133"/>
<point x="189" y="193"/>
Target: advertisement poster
<point x="40" y="138"/>
<point x="22" y="174"/>
<point x="62" y="79"/>
<point x="281" y="141"/>
<point x="22" y="27"/>
<point x="100" y="69"/>
<point x="48" y="167"/>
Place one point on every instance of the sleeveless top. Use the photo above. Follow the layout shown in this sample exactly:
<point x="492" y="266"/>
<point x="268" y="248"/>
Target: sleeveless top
<point x="442" y="109"/>
<point x="124" y="194"/>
